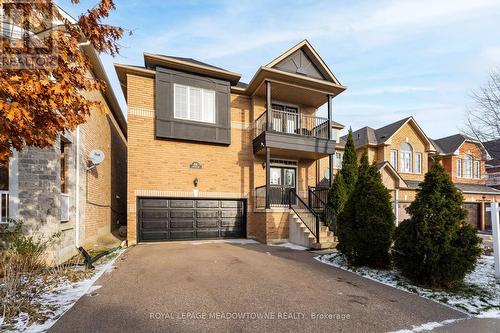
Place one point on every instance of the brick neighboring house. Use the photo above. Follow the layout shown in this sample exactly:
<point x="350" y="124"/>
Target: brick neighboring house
<point x="212" y="157"/>
<point x="493" y="164"/>
<point x="53" y="190"/>
<point x="403" y="154"/>
<point x="401" y="151"/>
<point x="465" y="159"/>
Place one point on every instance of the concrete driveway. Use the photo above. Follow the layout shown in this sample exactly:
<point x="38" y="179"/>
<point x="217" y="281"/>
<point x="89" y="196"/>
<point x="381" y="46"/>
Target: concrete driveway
<point x="194" y="287"/>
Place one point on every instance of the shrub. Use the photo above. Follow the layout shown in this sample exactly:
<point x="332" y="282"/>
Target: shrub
<point x="436" y="246"/>
<point x="367" y="220"/>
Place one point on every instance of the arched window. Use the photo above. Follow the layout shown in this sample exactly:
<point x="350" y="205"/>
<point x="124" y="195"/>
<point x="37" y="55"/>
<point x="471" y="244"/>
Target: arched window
<point x="406" y="158"/>
<point x="468" y="163"/>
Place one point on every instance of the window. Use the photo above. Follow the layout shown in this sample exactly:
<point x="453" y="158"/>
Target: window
<point x="4" y="177"/>
<point x="459" y="168"/>
<point x="194" y="104"/>
<point x="394" y="159"/>
<point x="63" y="158"/>
<point x="418" y="162"/>
<point x="477" y="169"/>
<point x="4" y="194"/>
<point x="338" y="160"/>
<point x="468" y="166"/>
<point x="406" y="157"/>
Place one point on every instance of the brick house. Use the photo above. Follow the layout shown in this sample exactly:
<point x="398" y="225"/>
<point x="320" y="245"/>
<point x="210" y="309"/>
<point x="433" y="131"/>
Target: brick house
<point x="212" y="157"/>
<point x="58" y="190"/>
<point x="465" y="159"/>
<point x="403" y="154"/>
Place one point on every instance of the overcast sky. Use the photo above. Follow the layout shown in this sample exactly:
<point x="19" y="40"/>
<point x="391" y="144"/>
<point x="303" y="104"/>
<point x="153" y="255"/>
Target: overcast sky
<point x="397" y="58"/>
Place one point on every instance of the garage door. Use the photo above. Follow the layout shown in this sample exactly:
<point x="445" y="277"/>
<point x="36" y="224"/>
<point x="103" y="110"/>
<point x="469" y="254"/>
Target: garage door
<point x="180" y="219"/>
<point x="473" y="214"/>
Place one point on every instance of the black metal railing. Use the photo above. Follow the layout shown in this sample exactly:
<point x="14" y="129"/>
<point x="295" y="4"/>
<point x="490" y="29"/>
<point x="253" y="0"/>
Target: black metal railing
<point x="307" y="215"/>
<point x="279" y="196"/>
<point x="293" y="123"/>
<point x="318" y="201"/>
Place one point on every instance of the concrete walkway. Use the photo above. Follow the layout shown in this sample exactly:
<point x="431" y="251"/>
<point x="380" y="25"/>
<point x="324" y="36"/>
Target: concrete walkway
<point x="186" y="287"/>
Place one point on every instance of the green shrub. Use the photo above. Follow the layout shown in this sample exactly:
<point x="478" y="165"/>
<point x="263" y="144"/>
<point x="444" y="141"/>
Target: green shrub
<point x="436" y="246"/>
<point x="367" y="220"/>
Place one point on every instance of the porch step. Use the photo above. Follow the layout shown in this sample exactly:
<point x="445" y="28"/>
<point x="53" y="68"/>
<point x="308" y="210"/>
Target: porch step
<point x="299" y="234"/>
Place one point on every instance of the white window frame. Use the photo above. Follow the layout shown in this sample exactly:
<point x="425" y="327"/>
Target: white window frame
<point x="188" y="104"/>
<point x="338" y="160"/>
<point x="477" y="169"/>
<point x="394" y="158"/>
<point x="407" y="160"/>
<point x="468" y="167"/>
<point x="418" y="162"/>
<point x="459" y="168"/>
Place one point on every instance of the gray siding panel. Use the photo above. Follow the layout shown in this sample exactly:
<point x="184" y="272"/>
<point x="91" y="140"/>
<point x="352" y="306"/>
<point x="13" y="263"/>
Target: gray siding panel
<point x="167" y="127"/>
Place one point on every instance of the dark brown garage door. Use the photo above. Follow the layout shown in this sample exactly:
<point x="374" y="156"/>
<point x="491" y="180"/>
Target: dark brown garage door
<point x="473" y="214"/>
<point x="178" y="219"/>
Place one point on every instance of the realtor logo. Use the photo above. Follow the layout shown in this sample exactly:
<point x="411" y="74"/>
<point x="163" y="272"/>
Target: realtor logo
<point x="26" y="40"/>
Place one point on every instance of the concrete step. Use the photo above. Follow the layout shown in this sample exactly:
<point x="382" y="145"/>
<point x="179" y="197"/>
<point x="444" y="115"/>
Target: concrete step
<point x="324" y="245"/>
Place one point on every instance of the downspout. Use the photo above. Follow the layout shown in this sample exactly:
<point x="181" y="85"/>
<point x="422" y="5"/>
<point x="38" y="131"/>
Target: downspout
<point x="77" y="194"/>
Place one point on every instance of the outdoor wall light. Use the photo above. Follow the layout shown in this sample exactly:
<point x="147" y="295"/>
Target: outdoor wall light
<point x="195" y="182"/>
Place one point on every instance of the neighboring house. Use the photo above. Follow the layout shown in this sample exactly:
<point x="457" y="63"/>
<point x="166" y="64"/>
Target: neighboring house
<point x="401" y="151"/>
<point x="493" y="165"/>
<point x="465" y="159"/>
<point x="212" y="157"/>
<point x="58" y="190"/>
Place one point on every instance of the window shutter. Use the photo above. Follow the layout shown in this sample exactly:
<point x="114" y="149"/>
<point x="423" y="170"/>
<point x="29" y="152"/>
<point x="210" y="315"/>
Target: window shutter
<point x="181" y="98"/>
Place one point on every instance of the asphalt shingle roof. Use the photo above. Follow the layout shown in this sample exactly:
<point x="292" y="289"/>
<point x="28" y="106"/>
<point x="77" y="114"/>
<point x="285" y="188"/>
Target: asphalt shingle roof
<point x="464" y="188"/>
<point x="449" y="144"/>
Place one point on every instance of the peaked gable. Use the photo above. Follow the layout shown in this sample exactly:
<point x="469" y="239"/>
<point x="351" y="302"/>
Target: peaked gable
<point x="299" y="63"/>
<point x="302" y="59"/>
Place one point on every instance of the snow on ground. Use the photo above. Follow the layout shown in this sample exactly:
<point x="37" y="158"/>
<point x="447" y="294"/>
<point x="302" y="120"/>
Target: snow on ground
<point x="479" y="296"/>
<point x="291" y="246"/>
<point x="64" y="297"/>
<point x="428" y="326"/>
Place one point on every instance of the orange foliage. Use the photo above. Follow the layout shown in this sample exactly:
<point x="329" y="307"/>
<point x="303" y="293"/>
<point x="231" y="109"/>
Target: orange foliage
<point x="38" y="102"/>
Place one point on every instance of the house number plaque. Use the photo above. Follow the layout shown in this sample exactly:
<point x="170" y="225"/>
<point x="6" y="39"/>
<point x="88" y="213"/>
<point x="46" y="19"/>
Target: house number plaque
<point x="195" y="165"/>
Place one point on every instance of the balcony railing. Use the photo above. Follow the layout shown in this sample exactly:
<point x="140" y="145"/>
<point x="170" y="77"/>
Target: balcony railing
<point x="4" y="206"/>
<point x="279" y="196"/>
<point x="293" y="123"/>
<point x="64" y="207"/>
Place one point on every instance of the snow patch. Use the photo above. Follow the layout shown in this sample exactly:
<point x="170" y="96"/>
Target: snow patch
<point x="93" y="288"/>
<point x="480" y="295"/>
<point x="291" y="246"/>
<point x="428" y="326"/>
<point x="63" y="298"/>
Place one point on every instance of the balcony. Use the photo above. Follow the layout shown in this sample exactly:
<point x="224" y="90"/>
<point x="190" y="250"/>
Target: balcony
<point x="4" y="206"/>
<point x="294" y="134"/>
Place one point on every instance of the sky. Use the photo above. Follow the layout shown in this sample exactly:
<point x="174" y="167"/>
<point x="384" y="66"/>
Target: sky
<point x="398" y="58"/>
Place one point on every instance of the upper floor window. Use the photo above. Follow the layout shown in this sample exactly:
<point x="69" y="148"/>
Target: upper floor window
<point x="468" y="165"/>
<point x="406" y="157"/>
<point x="418" y="162"/>
<point x="338" y="160"/>
<point x="63" y="159"/>
<point x="459" y="168"/>
<point x="477" y="169"/>
<point x="194" y="104"/>
<point x="394" y="159"/>
<point x="4" y="177"/>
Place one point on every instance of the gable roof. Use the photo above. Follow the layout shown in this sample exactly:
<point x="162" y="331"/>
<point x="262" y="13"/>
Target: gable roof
<point x="152" y="60"/>
<point x="305" y="48"/>
<point x="493" y="148"/>
<point x="385" y="165"/>
<point x="450" y="144"/>
<point x="369" y="136"/>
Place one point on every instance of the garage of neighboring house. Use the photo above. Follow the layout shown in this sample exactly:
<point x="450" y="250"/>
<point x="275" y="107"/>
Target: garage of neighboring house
<point x="163" y="219"/>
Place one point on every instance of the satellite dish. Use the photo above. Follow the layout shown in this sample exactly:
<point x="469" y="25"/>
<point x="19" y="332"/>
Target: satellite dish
<point x="96" y="156"/>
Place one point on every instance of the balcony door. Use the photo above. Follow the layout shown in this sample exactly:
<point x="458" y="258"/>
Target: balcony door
<point x="281" y="181"/>
<point x="285" y="118"/>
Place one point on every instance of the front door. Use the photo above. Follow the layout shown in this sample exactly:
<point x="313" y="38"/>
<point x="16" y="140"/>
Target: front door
<point x="282" y="180"/>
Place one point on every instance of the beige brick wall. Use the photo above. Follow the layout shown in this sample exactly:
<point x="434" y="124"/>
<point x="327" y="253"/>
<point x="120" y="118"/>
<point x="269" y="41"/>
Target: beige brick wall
<point x="161" y="167"/>
<point x="104" y="187"/>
